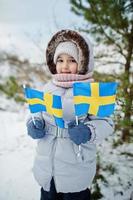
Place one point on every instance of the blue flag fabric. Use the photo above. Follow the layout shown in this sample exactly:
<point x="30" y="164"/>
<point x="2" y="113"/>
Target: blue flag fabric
<point x="94" y="98"/>
<point x="39" y="101"/>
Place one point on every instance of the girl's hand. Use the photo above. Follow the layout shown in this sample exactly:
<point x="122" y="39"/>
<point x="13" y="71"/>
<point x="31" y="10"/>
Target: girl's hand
<point x="36" y="129"/>
<point x="80" y="133"/>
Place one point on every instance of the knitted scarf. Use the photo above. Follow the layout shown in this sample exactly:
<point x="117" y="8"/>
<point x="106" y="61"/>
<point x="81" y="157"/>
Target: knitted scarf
<point x="66" y="80"/>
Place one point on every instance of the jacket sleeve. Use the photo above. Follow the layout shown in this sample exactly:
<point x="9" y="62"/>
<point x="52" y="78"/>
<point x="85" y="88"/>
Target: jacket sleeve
<point x="101" y="128"/>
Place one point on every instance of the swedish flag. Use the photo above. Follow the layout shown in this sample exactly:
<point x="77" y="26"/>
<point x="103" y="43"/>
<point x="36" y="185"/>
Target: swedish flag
<point x="94" y="98"/>
<point x="39" y="101"/>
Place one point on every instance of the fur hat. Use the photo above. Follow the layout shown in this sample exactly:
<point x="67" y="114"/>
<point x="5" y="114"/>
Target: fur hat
<point x="86" y="60"/>
<point x="66" y="48"/>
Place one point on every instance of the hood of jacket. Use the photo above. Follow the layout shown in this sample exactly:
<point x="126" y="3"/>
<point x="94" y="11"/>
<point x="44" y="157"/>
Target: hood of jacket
<point x="86" y="59"/>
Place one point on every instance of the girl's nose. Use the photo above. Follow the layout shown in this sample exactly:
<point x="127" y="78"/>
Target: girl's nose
<point x="65" y="65"/>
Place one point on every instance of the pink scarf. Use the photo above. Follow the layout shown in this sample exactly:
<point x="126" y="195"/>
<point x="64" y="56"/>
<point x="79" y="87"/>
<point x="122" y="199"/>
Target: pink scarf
<point x="66" y="80"/>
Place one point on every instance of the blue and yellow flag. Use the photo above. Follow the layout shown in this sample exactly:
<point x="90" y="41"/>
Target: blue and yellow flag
<point x="39" y="101"/>
<point x="94" y="98"/>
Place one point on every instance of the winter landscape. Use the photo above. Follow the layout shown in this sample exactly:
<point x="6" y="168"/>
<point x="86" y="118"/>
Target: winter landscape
<point x="22" y="62"/>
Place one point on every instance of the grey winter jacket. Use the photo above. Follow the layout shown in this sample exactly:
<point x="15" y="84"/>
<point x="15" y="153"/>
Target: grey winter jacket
<point x="58" y="157"/>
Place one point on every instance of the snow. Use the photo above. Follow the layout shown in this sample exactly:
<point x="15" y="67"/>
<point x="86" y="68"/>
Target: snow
<point x="120" y="183"/>
<point x="16" y="159"/>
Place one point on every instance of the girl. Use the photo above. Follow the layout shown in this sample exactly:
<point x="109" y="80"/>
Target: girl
<point x="59" y="169"/>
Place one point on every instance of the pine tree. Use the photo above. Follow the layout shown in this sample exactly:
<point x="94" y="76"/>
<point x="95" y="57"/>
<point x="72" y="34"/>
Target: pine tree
<point x="111" y="22"/>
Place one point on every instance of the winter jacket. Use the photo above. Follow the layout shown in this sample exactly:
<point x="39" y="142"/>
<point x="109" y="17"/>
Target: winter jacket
<point x="58" y="157"/>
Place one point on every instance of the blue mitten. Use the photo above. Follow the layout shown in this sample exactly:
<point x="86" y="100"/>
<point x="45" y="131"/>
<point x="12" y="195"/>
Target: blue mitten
<point x="80" y="133"/>
<point x="36" y="130"/>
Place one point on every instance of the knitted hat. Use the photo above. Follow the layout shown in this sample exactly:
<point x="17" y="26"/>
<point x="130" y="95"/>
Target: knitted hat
<point x="67" y="48"/>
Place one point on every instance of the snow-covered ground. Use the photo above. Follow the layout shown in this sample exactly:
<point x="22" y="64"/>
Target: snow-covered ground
<point x="17" y="152"/>
<point x="16" y="159"/>
<point x="117" y="169"/>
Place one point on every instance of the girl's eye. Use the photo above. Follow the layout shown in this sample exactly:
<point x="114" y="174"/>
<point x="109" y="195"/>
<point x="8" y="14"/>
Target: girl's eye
<point x="72" y="61"/>
<point x="59" y="60"/>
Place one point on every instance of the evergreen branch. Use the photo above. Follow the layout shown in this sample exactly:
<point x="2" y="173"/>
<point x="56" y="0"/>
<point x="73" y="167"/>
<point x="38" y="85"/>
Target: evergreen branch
<point x="104" y="32"/>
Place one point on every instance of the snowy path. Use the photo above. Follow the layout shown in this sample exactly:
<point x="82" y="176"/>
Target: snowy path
<point x="16" y="159"/>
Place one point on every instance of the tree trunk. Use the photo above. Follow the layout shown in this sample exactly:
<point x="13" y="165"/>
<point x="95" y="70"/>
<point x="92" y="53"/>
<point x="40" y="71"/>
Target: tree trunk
<point x="127" y="94"/>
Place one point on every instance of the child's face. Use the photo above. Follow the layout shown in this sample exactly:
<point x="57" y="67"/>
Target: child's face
<point x="66" y="64"/>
